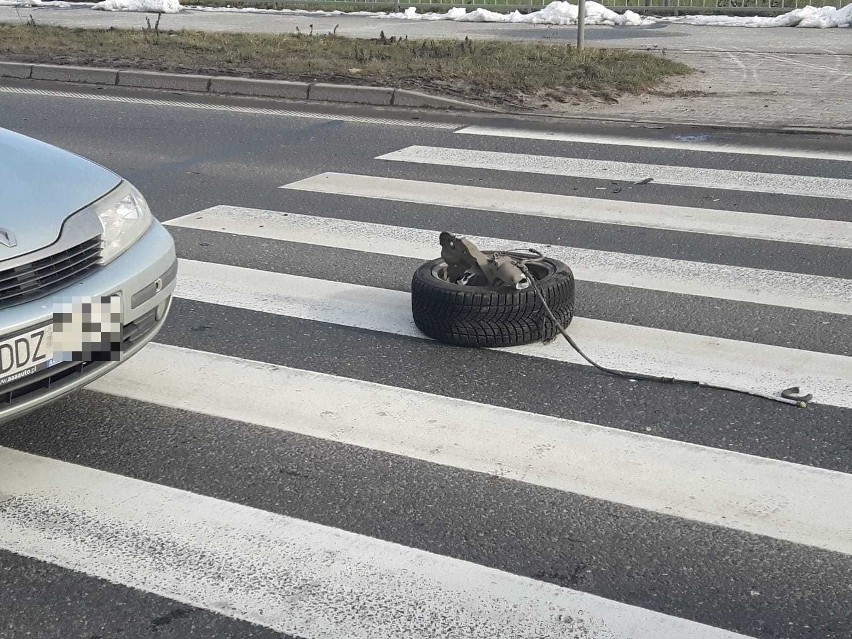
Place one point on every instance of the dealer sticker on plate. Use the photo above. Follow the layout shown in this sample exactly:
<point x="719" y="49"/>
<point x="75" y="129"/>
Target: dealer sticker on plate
<point x="26" y="353"/>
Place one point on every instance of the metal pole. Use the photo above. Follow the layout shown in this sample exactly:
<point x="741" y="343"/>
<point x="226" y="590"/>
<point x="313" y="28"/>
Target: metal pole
<point x="581" y="23"/>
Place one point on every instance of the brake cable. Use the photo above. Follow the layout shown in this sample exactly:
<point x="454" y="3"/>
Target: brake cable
<point x="788" y="396"/>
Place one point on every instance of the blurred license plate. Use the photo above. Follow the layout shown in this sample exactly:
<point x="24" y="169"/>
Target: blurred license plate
<point x="26" y="353"/>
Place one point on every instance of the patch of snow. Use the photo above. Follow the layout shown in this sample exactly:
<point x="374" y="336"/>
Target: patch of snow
<point x="59" y="4"/>
<point x="807" y="17"/>
<point x="148" y="6"/>
<point x="295" y="12"/>
<point x="565" y="13"/>
<point x="555" y="13"/>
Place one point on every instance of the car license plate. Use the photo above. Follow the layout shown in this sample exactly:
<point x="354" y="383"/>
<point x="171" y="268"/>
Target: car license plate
<point x="26" y="353"/>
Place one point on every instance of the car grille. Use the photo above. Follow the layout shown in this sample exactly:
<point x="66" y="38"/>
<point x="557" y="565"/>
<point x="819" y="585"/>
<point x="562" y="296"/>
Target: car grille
<point x="49" y="274"/>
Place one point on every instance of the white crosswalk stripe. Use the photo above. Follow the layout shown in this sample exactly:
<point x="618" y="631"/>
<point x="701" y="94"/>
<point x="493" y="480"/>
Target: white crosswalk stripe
<point x="799" y="502"/>
<point x="757" y="226"/>
<point x="756" y="367"/>
<point x="318" y="579"/>
<point x="686" y="142"/>
<point x="296" y="576"/>
<point x="626" y="171"/>
<point x="793" y="290"/>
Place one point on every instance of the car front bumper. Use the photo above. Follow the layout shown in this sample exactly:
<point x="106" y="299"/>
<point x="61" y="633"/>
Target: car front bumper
<point x="144" y="278"/>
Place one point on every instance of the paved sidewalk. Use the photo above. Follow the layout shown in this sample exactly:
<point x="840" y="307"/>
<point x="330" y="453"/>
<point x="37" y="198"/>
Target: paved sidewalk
<point x="752" y="77"/>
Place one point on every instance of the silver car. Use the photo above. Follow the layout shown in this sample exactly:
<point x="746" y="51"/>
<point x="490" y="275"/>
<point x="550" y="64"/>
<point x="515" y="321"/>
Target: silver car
<point x="86" y="273"/>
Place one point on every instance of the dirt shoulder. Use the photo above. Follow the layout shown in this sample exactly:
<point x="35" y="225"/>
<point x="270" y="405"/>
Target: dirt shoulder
<point x="509" y="74"/>
<point x="744" y="88"/>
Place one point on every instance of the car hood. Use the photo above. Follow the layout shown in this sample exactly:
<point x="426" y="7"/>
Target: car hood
<point x="40" y="186"/>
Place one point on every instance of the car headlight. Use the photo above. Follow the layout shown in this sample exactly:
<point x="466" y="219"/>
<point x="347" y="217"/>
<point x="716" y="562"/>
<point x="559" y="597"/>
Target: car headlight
<point x="125" y="217"/>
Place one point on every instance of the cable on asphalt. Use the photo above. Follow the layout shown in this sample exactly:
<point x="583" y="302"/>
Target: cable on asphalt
<point x="788" y="396"/>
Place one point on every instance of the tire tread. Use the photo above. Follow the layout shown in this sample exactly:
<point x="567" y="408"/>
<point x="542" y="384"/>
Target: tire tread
<point x="450" y="314"/>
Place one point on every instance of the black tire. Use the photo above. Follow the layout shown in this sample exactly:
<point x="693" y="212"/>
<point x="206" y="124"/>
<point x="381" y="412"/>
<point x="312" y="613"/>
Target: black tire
<point x="480" y="316"/>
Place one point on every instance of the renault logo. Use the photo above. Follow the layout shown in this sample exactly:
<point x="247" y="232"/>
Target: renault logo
<point x="7" y="238"/>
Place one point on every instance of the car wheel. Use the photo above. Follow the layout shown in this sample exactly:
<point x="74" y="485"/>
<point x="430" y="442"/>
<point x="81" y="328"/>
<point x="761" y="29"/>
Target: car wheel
<point x="483" y="316"/>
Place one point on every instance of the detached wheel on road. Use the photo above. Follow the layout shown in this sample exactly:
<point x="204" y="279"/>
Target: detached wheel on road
<point x="467" y="315"/>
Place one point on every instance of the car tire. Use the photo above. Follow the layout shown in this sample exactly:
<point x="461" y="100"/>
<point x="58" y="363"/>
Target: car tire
<point x="482" y="316"/>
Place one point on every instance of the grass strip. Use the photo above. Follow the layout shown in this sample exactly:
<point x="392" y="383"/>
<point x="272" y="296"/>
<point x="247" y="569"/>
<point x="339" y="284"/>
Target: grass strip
<point x="490" y="71"/>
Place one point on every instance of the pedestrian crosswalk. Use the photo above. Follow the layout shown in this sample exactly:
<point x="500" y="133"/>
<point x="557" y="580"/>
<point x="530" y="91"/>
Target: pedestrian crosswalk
<point x="628" y="468"/>
<point x="288" y="574"/>
<point x="703" y="178"/>
<point x="673" y="505"/>
<point x="834" y="233"/>
<point x="702" y="142"/>
<point x="757" y="367"/>
<point x="793" y="290"/>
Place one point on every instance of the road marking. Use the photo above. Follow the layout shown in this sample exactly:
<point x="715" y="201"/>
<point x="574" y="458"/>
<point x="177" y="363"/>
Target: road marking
<point x="791" y="290"/>
<point x="753" y="494"/>
<point x="758" y="226"/>
<point x="758" y="367"/>
<point x="183" y="104"/>
<point x="681" y="142"/>
<point x="626" y="171"/>
<point x="287" y="574"/>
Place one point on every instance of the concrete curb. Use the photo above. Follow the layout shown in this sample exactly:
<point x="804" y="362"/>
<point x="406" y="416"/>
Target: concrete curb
<point x="62" y="73"/>
<point x="377" y="96"/>
<point x="16" y="70"/>
<point x="340" y="93"/>
<point x="172" y="81"/>
<point x="226" y="85"/>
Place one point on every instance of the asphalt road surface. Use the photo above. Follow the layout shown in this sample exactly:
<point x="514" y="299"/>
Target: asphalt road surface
<point x="291" y="458"/>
